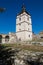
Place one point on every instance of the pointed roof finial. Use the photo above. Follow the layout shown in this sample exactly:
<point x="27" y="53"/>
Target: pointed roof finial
<point x="23" y="10"/>
<point x="23" y="7"/>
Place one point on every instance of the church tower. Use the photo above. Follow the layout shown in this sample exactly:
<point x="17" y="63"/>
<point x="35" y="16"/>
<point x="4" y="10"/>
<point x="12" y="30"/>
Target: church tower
<point x="24" y="26"/>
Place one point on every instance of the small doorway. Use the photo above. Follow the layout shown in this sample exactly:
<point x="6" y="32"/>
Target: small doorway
<point x="19" y="39"/>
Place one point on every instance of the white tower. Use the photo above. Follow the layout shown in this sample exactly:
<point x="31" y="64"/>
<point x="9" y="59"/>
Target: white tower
<point x="24" y="26"/>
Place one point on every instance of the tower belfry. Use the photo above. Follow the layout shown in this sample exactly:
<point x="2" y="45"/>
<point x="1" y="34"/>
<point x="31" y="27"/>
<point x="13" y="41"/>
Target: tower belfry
<point x="24" y="25"/>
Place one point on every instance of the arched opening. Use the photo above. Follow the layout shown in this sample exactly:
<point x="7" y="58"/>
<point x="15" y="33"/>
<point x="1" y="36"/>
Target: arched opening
<point x="41" y="37"/>
<point x="0" y="38"/>
<point x="6" y="38"/>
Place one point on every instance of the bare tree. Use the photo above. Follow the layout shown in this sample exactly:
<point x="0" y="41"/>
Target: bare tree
<point x="2" y="9"/>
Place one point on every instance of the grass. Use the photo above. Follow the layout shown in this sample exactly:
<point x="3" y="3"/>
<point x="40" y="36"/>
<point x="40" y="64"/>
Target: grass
<point x="25" y="47"/>
<point x="37" y="40"/>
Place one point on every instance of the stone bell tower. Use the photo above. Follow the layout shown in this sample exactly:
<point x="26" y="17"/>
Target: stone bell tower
<point x="23" y="25"/>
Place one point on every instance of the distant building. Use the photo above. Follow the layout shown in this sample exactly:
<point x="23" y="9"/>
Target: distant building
<point x="34" y="36"/>
<point x="40" y="35"/>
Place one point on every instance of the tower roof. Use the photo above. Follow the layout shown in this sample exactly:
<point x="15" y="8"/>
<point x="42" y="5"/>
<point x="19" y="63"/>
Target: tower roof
<point x="23" y="10"/>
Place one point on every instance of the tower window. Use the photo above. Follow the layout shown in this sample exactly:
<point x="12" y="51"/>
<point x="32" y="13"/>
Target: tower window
<point x="20" y="19"/>
<point x="19" y="23"/>
<point x="28" y="23"/>
<point x="28" y="28"/>
<point x="29" y="35"/>
<point x="27" y="18"/>
<point x="19" y="39"/>
<point x="20" y="29"/>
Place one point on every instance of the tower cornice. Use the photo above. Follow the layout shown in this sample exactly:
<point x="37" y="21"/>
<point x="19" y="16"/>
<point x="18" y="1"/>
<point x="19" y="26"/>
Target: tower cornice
<point x="25" y="22"/>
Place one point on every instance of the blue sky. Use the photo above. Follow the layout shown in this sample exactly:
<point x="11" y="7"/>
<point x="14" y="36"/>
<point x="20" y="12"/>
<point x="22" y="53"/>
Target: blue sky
<point x="13" y="7"/>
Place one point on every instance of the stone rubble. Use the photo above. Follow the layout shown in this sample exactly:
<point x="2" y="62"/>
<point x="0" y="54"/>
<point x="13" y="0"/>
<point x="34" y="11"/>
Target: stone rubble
<point x="23" y="56"/>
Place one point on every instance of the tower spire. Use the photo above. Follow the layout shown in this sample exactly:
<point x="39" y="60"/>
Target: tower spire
<point x="23" y="7"/>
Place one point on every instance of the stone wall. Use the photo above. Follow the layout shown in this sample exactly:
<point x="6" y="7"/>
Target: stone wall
<point x="8" y="38"/>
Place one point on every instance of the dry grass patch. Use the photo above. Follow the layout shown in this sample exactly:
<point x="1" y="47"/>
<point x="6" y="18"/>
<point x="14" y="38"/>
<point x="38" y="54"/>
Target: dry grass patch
<point x="25" y="47"/>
